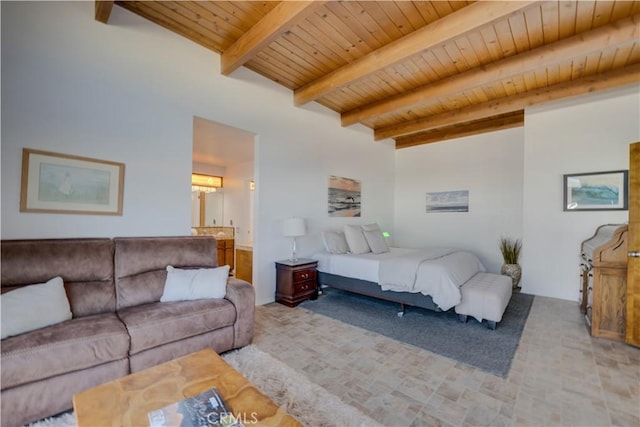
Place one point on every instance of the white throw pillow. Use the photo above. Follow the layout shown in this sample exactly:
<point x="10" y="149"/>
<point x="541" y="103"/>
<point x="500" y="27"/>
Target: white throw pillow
<point x="334" y="242"/>
<point x="195" y="283"/>
<point x="33" y="307"/>
<point x="375" y="239"/>
<point x="356" y="240"/>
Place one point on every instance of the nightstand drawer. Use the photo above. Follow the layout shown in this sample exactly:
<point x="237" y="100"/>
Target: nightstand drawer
<point x="302" y="287"/>
<point x="302" y="275"/>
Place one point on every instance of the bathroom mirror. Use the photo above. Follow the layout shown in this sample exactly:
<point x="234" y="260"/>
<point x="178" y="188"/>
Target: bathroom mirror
<point x="207" y="208"/>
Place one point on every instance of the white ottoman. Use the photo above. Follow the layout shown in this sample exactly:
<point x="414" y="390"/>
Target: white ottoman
<point x="485" y="296"/>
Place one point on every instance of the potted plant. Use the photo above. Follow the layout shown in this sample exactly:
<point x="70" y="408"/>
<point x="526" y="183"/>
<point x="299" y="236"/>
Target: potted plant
<point x="510" y="249"/>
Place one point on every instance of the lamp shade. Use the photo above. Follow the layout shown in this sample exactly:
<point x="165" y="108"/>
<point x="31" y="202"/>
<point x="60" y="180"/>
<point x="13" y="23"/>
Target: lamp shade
<point x="293" y="227"/>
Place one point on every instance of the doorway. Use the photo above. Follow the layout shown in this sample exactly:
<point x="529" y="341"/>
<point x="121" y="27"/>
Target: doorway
<point x="227" y="212"/>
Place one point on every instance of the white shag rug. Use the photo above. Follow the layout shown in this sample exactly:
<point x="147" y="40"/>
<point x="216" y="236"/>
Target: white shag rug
<point x="309" y="403"/>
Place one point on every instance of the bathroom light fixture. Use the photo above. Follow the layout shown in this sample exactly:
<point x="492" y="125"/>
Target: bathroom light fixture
<point x="293" y="227"/>
<point x="205" y="183"/>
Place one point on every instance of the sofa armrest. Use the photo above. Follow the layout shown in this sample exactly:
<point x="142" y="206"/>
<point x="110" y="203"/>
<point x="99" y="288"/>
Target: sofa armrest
<point x="242" y="296"/>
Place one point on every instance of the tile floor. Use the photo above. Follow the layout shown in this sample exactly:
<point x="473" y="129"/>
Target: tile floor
<point x="560" y="376"/>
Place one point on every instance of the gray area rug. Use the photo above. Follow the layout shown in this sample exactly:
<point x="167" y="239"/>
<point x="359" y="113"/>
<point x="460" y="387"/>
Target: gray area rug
<point x="309" y="403"/>
<point x="471" y="343"/>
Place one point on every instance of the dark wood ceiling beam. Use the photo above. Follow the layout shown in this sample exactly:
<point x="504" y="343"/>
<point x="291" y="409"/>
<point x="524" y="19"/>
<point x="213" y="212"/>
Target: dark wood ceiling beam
<point x="507" y="121"/>
<point x="439" y="32"/>
<point x="620" y="77"/>
<point x="623" y="32"/>
<point x="278" y="21"/>
<point x="103" y="10"/>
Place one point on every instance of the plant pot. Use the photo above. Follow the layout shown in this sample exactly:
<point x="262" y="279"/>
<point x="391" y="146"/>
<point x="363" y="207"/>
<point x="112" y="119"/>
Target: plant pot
<point x="514" y="271"/>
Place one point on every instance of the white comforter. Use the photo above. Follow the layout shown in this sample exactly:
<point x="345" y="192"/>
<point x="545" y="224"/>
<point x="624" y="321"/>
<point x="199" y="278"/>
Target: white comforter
<point x="438" y="272"/>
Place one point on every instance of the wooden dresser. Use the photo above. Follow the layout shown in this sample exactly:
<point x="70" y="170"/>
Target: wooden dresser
<point x="296" y="281"/>
<point x="604" y="281"/>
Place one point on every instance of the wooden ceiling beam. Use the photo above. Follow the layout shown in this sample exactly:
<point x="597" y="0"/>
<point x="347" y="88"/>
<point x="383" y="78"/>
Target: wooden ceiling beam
<point x="437" y="33"/>
<point x="507" y="121"/>
<point x="103" y="10"/>
<point x="620" y="77"/>
<point x="278" y="21"/>
<point x="622" y="32"/>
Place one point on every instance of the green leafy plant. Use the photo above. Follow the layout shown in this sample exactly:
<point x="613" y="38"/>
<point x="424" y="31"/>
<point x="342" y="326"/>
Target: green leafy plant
<point x="510" y="249"/>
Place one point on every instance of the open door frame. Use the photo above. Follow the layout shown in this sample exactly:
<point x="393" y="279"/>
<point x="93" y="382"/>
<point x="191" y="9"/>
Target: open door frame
<point x="632" y="329"/>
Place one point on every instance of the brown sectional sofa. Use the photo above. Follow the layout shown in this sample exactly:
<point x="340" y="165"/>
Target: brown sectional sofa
<point x="119" y="325"/>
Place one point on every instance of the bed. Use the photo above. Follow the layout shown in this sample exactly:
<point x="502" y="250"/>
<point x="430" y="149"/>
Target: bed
<point x="429" y="278"/>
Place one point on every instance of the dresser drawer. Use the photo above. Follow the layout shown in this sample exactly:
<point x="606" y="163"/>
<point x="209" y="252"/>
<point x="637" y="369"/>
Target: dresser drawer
<point x="302" y="275"/>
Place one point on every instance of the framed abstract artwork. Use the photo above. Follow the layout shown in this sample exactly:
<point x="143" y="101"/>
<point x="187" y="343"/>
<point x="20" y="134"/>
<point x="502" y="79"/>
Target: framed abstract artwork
<point x="63" y="183"/>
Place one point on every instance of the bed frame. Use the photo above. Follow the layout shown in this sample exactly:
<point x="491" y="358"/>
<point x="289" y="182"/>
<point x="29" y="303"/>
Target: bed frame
<point x="372" y="289"/>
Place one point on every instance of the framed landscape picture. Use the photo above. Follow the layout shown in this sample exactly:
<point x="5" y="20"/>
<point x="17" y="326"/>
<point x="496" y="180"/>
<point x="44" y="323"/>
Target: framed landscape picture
<point x="596" y="191"/>
<point x="62" y="183"/>
<point x="448" y="201"/>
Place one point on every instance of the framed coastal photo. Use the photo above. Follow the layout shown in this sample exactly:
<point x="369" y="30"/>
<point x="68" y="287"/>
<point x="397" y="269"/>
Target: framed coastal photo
<point x="63" y="183"/>
<point x="448" y="201"/>
<point x="596" y="191"/>
<point x="344" y="197"/>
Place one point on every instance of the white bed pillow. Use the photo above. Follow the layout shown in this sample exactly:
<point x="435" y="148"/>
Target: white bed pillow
<point x="33" y="307"/>
<point x="335" y="242"/>
<point x="195" y="283"/>
<point x="356" y="240"/>
<point x="375" y="239"/>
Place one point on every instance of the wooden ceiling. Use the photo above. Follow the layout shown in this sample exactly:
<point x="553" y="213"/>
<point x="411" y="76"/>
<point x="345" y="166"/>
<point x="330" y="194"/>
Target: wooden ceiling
<point x="416" y="71"/>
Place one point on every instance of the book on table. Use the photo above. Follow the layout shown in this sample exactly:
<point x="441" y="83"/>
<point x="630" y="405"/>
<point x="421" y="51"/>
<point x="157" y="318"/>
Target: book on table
<point x="203" y="410"/>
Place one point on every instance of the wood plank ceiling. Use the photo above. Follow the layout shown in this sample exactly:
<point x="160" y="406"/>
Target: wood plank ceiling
<point x="416" y="71"/>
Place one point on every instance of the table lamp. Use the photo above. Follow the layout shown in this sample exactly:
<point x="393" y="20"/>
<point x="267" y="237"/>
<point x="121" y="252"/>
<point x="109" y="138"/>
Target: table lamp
<point x="293" y="227"/>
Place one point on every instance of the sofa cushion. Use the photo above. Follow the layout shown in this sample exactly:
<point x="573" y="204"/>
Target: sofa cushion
<point x="140" y="264"/>
<point x="220" y="340"/>
<point x="151" y="325"/>
<point x="85" y="265"/>
<point x="69" y="346"/>
<point x="41" y="399"/>
<point x="33" y="307"/>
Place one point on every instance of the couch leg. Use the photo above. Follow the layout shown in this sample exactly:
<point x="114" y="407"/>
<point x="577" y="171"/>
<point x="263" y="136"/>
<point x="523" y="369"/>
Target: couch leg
<point x="462" y="318"/>
<point x="491" y="324"/>
<point x="401" y="312"/>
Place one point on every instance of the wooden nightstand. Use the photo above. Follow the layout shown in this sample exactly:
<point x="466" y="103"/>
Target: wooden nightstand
<point x="296" y="281"/>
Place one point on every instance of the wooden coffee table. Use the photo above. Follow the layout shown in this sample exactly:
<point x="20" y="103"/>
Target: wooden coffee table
<point x="128" y="400"/>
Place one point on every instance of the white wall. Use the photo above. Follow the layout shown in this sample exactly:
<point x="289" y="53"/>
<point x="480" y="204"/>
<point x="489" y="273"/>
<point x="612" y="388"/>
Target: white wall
<point x="515" y="179"/>
<point x="588" y="134"/>
<point x="128" y="92"/>
<point x="292" y="179"/>
<point x="489" y="166"/>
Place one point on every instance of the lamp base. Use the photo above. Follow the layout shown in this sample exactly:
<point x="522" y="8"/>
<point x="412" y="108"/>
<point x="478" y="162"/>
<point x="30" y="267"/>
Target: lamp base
<point x="293" y="258"/>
